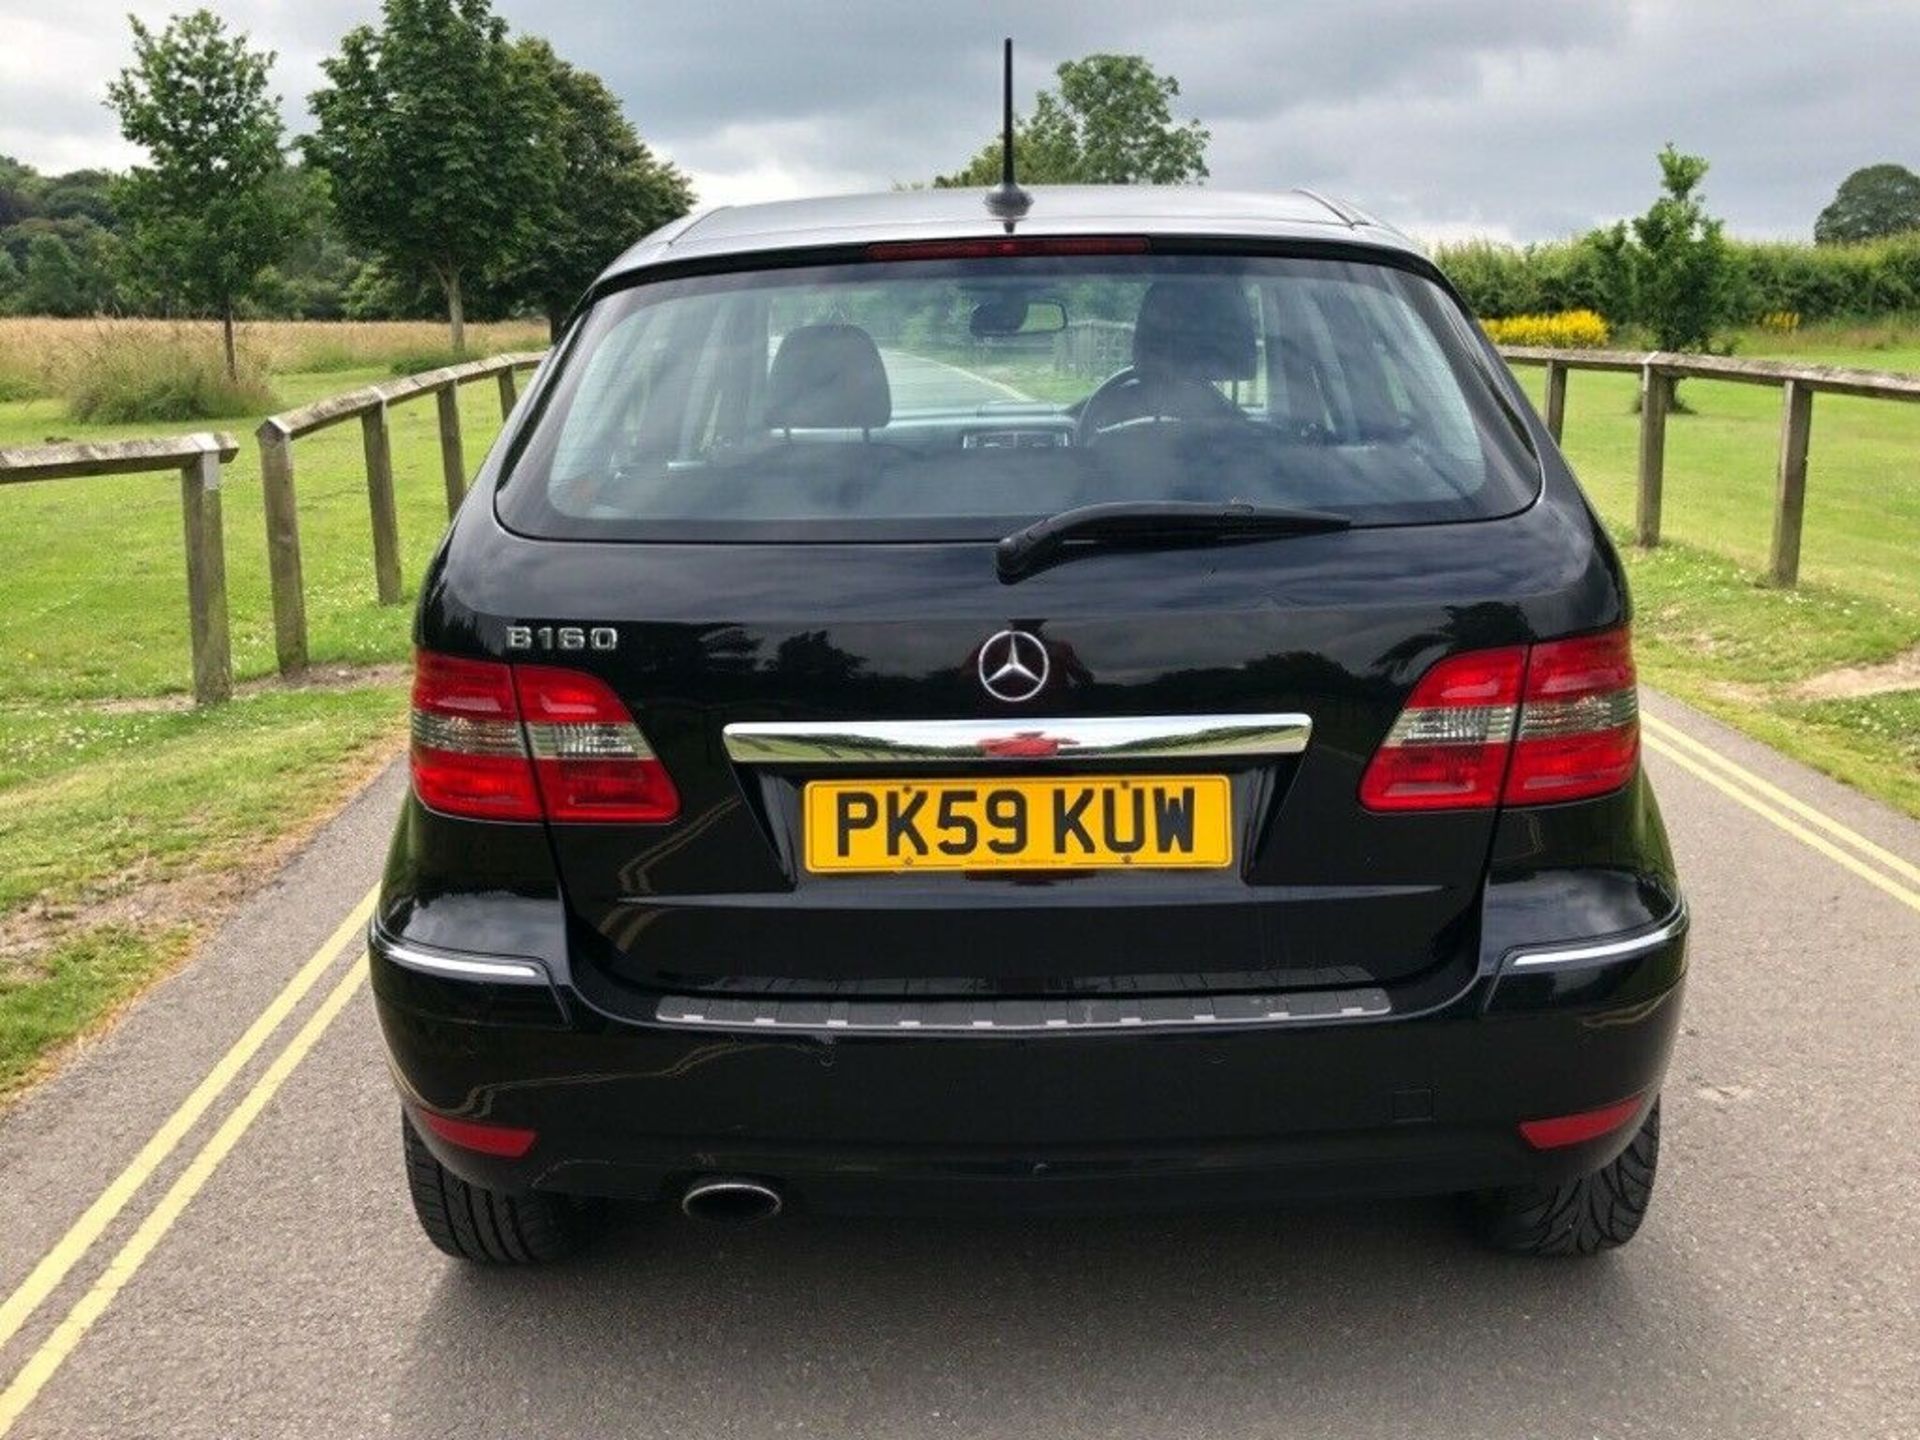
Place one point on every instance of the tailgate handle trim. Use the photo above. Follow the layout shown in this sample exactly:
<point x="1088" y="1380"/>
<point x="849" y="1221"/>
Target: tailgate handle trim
<point x="1094" y="737"/>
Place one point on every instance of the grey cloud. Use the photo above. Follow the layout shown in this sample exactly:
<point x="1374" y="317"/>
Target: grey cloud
<point x="1513" y="116"/>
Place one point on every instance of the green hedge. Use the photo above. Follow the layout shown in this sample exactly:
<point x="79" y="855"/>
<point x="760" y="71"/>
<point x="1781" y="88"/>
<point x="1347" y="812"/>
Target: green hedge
<point x="1816" y="282"/>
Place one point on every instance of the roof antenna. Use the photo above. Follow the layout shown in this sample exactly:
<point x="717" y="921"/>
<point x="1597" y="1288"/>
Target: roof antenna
<point x="1007" y="200"/>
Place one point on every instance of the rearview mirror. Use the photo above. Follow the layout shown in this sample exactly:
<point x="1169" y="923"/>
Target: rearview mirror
<point x="993" y="319"/>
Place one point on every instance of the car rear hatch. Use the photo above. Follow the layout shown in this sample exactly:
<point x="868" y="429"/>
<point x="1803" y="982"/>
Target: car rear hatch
<point x="902" y="774"/>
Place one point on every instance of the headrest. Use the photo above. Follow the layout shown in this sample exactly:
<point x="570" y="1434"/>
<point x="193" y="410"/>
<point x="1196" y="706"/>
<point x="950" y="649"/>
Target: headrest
<point x="1195" y="330"/>
<point x="828" y="377"/>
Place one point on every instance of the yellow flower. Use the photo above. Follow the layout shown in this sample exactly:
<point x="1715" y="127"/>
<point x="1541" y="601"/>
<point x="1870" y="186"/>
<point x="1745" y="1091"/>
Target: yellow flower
<point x="1567" y="330"/>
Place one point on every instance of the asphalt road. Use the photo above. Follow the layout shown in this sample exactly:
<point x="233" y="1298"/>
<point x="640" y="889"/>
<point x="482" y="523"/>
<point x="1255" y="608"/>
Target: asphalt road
<point x="265" y="1279"/>
<point x="921" y="383"/>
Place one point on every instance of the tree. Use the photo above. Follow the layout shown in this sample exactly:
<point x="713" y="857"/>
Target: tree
<point x="1110" y="123"/>
<point x="1683" y="278"/>
<point x="1878" y="200"/>
<point x="19" y="191"/>
<point x="209" y="212"/>
<point x="1601" y="275"/>
<point x="87" y="194"/>
<point x="616" y="189"/>
<point x="436" y="135"/>
<point x="54" y="283"/>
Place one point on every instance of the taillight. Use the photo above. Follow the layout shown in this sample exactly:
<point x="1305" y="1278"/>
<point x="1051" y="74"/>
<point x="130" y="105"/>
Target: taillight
<point x="1579" y="729"/>
<point x="592" y="760"/>
<point x="499" y="742"/>
<point x="1448" y="749"/>
<point x="1520" y="726"/>
<point x="468" y="755"/>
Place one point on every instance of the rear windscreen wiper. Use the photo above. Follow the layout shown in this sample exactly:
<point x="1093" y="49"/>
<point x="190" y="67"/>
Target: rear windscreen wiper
<point x="1133" y="522"/>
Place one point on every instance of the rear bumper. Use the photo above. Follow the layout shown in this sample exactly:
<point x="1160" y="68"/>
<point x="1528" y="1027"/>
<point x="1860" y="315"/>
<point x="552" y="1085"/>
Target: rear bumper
<point x="1071" y="1118"/>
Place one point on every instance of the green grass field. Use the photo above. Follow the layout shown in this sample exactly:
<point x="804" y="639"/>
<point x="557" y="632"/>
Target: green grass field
<point x="127" y="819"/>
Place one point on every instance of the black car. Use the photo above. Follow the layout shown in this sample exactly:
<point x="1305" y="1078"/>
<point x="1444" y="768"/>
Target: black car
<point x="1116" y="704"/>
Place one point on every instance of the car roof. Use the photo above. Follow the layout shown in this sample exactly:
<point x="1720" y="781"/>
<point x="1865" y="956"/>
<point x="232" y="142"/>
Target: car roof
<point x="962" y="214"/>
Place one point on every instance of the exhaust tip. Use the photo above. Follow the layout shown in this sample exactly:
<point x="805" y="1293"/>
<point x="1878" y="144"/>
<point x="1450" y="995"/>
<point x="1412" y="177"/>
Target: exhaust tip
<point x="730" y="1200"/>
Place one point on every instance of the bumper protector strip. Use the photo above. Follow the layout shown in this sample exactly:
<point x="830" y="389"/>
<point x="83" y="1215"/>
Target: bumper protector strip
<point x="500" y="970"/>
<point x="1600" y="952"/>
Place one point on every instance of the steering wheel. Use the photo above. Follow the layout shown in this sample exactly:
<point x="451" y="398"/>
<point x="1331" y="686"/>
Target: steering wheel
<point x="1180" y="398"/>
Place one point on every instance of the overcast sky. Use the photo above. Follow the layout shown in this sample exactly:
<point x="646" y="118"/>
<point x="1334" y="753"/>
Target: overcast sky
<point x="1514" y="118"/>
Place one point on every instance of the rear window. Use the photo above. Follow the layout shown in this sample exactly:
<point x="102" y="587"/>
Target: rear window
<point x="962" y="399"/>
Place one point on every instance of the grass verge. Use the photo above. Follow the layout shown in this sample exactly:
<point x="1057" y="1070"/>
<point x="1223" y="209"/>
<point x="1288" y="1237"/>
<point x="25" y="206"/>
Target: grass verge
<point x="1707" y="633"/>
<point x="129" y="834"/>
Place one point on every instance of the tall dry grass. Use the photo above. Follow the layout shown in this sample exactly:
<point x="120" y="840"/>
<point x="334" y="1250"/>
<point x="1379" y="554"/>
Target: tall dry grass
<point x="41" y="356"/>
<point x="117" y="377"/>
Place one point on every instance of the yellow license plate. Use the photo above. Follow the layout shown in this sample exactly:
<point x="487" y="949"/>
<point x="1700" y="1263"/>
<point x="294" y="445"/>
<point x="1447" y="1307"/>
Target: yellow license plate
<point x="1142" y="822"/>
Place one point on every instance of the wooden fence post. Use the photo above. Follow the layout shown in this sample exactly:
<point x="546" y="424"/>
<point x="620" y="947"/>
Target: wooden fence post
<point x="386" y="525"/>
<point x="283" y="549"/>
<point x="1556" y="399"/>
<point x="508" y="394"/>
<point x="1656" y="395"/>
<point x="206" y="580"/>
<point x="452" y="463"/>
<point x="1790" y="497"/>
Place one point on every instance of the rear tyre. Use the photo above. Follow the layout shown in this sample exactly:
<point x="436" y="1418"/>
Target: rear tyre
<point x="1582" y="1217"/>
<point x="486" y="1226"/>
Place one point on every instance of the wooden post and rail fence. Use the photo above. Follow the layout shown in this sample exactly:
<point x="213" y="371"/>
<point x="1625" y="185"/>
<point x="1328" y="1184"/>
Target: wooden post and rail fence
<point x="370" y="406"/>
<point x="1660" y="371"/>
<point x="197" y="459"/>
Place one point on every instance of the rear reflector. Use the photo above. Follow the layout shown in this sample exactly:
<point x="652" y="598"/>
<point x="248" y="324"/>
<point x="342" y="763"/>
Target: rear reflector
<point x="1004" y="248"/>
<point x="499" y="742"/>
<point x="1523" y="725"/>
<point x="1561" y="1130"/>
<point x="504" y="1140"/>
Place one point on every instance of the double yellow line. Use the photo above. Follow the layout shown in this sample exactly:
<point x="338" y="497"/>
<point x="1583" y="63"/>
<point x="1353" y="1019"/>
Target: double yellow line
<point x="1814" y="828"/>
<point x="85" y="1232"/>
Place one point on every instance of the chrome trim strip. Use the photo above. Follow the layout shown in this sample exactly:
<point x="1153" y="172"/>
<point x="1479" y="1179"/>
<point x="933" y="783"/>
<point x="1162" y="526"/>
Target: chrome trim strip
<point x="1602" y="951"/>
<point x="1001" y="1017"/>
<point x="1096" y="737"/>
<point x="433" y="962"/>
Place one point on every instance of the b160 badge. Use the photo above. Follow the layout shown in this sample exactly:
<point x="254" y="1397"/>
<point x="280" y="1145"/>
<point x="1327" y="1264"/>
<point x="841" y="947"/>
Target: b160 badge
<point x="562" y="637"/>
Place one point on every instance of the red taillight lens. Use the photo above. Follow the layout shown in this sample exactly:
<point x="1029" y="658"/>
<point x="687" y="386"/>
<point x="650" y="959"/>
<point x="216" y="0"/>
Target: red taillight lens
<point x="1448" y="749"/>
<point x="468" y="757"/>
<point x="592" y="760"/>
<point x="579" y="758"/>
<point x="1519" y="726"/>
<point x="1579" y="721"/>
